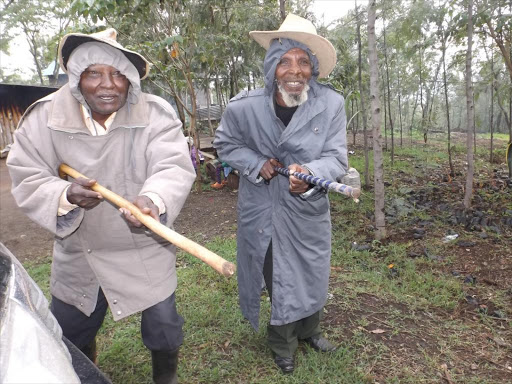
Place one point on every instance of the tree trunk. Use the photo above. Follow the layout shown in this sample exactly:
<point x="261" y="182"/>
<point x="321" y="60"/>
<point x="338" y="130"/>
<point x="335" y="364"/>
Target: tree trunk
<point x="510" y="112"/>
<point x="380" y="219"/>
<point x="193" y="115"/>
<point x="470" y="108"/>
<point x="218" y="91"/>
<point x="413" y="113"/>
<point x="282" y="9"/>
<point x="208" y="105"/>
<point x="181" y="112"/>
<point x="399" y="96"/>
<point x="421" y="96"/>
<point x="389" y="96"/>
<point x="491" y="108"/>
<point x="32" y="43"/>
<point x="447" y="104"/>
<point x="363" y="106"/>
<point x="385" y="116"/>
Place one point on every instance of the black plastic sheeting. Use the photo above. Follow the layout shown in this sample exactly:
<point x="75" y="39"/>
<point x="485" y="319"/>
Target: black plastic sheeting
<point x="22" y="96"/>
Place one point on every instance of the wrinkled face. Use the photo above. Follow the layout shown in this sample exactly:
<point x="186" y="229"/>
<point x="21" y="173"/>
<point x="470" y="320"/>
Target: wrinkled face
<point x="293" y="73"/>
<point x="105" y="90"/>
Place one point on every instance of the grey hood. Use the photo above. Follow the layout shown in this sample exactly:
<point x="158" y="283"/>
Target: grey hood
<point x="276" y="50"/>
<point x="91" y="53"/>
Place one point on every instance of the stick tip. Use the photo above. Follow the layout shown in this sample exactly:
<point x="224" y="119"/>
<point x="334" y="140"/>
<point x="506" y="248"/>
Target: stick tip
<point x="356" y="192"/>
<point x="228" y="269"/>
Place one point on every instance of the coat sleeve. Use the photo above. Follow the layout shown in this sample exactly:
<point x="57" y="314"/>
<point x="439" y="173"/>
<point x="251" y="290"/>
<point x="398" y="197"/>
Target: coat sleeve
<point x="333" y="161"/>
<point x="232" y="149"/>
<point x="36" y="186"/>
<point x="170" y="173"/>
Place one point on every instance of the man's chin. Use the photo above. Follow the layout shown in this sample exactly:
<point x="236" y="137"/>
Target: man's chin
<point x="293" y="99"/>
<point x="294" y="92"/>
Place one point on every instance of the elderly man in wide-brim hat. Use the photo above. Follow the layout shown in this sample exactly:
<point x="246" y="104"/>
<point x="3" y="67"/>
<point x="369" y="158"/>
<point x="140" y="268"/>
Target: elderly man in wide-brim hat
<point x="284" y="227"/>
<point x="101" y="124"/>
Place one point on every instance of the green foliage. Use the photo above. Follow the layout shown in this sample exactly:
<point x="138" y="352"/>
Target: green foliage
<point x="42" y="23"/>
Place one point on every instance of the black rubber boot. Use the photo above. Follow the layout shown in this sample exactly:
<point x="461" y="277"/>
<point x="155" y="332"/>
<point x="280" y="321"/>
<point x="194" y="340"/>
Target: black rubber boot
<point x="90" y="351"/>
<point x="165" y="366"/>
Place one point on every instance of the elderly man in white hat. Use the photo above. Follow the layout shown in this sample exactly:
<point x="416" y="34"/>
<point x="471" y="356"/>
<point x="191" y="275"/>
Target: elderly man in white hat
<point x="284" y="227"/>
<point x="103" y="125"/>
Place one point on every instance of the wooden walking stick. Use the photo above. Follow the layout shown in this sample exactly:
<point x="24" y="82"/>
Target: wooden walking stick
<point x="212" y="259"/>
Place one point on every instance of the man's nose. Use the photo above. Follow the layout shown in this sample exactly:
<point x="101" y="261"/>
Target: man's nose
<point x="107" y="81"/>
<point x="295" y="67"/>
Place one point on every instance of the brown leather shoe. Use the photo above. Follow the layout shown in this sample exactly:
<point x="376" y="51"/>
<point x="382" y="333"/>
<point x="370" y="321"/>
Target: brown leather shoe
<point x="285" y="363"/>
<point x="217" y="186"/>
<point x="320" y="343"/>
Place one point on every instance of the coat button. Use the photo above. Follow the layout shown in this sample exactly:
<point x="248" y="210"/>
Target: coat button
<point x="89" y="250"/>
<point x="115" y="301"/>
<point x="84" y="296"/>
<point x="70" y="137"/>
<point x="118" y="313"/>
<point x="81" y="304"/>
<point x="316" y="129"/>
<point x="260" y="230"/>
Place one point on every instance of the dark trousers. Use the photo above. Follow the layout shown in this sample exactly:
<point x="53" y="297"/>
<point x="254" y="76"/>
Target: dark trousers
<point x="283" y="340"/>
<point x="161" y="325"/>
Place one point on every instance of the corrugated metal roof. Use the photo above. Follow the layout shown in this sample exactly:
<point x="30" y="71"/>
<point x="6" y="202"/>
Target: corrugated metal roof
<point x="215" y="113"/>
<point x="48" y="71"/>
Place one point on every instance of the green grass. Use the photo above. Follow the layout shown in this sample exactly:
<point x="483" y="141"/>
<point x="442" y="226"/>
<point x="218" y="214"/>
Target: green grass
<point x="497" y="136"/>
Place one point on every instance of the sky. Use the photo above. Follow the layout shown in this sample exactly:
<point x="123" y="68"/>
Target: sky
<point x="326" y="11"/>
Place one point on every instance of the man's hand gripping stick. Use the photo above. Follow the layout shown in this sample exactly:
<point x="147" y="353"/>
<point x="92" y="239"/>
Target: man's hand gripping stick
<point x="329" y="185"/>
<point x="212" y="259"/>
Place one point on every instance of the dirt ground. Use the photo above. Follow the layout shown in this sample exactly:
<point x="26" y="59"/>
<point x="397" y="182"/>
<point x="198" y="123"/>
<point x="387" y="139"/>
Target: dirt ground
<point x="204" y="216"/>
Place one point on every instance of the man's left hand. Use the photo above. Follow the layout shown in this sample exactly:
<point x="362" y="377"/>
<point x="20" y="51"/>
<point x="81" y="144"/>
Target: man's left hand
<point x="145" y="204"/>
<point x="296" y="185"/>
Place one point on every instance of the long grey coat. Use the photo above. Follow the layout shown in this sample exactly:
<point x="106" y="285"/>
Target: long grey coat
<point x="300" y="229"/>
<point x="143" y="151"/>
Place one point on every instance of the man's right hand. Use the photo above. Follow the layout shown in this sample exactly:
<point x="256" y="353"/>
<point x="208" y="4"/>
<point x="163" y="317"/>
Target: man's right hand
<point x="81" y="194"/>
<point x="268" y="171"/>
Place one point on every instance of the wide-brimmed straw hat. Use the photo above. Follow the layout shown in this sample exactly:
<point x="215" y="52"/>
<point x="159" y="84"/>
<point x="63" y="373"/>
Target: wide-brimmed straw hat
<point x="301" y="30"/>
<point x="72" y="40"/>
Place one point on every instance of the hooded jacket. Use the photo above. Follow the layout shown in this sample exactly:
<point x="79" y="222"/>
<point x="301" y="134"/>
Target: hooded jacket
<point x="143" y="151"/>
<point x="299" y="227"/>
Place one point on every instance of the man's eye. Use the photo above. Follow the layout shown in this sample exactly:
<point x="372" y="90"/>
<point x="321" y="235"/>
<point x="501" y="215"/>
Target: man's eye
<point x="305" y="62"/>
<point x="117" y="74"/>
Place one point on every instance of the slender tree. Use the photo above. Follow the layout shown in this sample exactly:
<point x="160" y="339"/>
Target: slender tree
<point x="389" y="97"/>
<point x="447" y="103"/>
<point x="380" y="220"/>
<point x="470" y="110"/>
<point x="282" y="9"/>
<point x="362" y="93"/>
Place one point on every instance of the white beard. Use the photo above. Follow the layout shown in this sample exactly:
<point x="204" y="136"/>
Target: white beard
<point x="293" y="100"/>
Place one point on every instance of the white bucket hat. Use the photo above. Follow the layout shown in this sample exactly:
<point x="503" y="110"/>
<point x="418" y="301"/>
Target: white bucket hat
<point x="301" y="30"/>
<point x="72" y="40"/>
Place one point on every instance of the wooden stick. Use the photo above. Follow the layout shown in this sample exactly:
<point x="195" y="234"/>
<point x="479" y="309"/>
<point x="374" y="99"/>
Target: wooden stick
<point x="212" y="259"/>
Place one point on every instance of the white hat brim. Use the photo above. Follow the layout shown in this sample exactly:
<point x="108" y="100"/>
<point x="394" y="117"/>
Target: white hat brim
<point x="72" y="40"/>
<point x="319" y="46"/>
